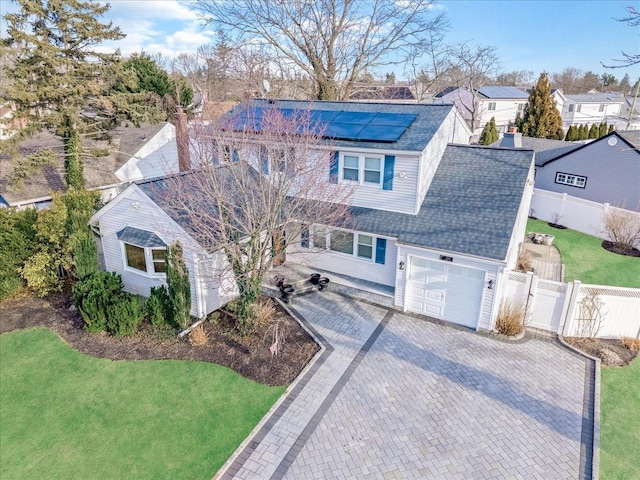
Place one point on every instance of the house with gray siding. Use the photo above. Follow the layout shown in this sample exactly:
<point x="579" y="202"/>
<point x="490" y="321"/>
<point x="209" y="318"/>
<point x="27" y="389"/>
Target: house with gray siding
<point x="605" y="170"/>
<point x="434" y="220"/>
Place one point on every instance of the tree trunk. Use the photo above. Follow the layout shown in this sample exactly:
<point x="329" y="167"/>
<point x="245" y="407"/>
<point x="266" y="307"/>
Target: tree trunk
<point x="74" y="175"/>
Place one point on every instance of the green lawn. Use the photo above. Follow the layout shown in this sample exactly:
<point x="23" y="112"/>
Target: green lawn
<point x="620" y="421"/>
<point x="587" y="261"/>
<point x="64" y="415"/>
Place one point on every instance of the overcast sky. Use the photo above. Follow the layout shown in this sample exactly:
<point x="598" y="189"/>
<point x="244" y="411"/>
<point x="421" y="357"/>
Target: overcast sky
<point x="529" y="35"/>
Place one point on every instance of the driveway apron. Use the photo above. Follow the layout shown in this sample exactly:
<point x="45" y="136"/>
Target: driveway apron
<point x="394" y="396"/>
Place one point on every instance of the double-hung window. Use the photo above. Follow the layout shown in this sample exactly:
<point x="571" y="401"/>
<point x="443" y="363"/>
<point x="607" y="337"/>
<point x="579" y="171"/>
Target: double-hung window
<point x="351" y="168"/>
<point x="491" y="106"/>
<point x="372" y="170"/>
<point x="365" y="246"/>
<point x="573" y="180"/>
<point x="363" y="169"/>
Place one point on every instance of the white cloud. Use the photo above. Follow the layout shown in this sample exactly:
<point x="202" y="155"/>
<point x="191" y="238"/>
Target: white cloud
<point x="160" y="9"/>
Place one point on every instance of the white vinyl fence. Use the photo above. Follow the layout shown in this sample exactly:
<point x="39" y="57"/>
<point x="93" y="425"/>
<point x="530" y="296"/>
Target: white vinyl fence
<point x="573" y="309"/>
<point x="572" y="212"/>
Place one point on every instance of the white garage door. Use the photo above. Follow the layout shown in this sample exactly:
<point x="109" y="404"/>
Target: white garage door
<point x="445" y="291"/>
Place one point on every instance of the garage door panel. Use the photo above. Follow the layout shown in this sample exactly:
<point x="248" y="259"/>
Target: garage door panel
<point x="445" y="291"/>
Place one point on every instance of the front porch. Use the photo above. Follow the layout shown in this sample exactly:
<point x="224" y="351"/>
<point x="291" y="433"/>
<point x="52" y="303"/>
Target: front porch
<point x="298" y="275"/>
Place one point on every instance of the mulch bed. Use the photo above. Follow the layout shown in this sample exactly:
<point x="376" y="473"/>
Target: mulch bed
<point x="250" y="356"/>
<point x="611" y="352"/>
<point x="629" y="252"/>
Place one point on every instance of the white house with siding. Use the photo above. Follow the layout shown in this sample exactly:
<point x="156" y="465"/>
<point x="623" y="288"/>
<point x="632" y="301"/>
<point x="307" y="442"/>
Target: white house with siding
<point x="434" y="220"/>
<point x="592" y="108"/>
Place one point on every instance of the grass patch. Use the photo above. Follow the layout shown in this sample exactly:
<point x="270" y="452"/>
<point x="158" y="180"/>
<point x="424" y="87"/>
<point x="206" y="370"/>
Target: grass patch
<point x="587" y="261"/>
<point x="65" y="415"/>
<point x="620" y="435"/>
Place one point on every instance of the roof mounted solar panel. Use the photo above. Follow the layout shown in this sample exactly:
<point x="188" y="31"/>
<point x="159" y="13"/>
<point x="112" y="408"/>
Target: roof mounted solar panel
<point x="394" y="119"/>
<point x="344" y="131"/>
<point x="380" y="133"/>
<point x="360" y="118"/>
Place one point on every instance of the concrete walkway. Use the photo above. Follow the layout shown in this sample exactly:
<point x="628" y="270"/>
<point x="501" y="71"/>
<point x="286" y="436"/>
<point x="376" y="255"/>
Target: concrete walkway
<point x="395" y="396"/>
<point x="546" y="260"/>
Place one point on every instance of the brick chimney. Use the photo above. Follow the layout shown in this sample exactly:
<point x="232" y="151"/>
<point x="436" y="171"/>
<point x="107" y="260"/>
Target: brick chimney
<point x="512" y="138"/>
<point x="182" y="140"/>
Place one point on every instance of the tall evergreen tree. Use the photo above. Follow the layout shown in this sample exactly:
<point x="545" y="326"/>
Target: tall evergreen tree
<point x="572" y="134"/>
<point x="594" y="131"/>
<point x="612" y="127"/>
<point x="541" y="116"/>
<point x="602" y="129"/>
<point x="60" y="81"/>
<point x="625" y="84"/>
<point x="489" y="133"/>
<point x="584" y="132"/>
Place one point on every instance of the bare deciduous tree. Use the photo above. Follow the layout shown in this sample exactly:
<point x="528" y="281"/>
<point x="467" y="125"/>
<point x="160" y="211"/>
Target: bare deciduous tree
<point x="628" y="59"/>
<point x="257" y="196"/>
<point x="472" y="67"/>
<point x="332" y="41"/>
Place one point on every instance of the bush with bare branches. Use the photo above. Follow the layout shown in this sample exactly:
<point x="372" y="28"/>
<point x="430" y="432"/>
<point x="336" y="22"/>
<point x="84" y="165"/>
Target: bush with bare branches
<point x="622" y="227"/>
<point x="511" y="318"/>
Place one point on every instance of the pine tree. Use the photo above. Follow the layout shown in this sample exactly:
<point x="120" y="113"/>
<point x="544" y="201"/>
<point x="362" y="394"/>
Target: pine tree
<point x="584" y="132"/>
<point x="612" y="127"/>
<point x="489" y="133"/>
<point x="541" y="117"/>
<point x="602" y="129"/>
<point x="625" y="85"/>
<point x="572" y="134"/>
<point x="594" y="131"/>
<point x="60" y="81"/>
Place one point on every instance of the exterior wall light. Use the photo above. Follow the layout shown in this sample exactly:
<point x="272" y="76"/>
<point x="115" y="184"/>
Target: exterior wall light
<point x="401" y="266"/>
<point x="490" y="284"/>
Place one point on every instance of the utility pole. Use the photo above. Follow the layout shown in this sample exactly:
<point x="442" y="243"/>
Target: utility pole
<point x="633" y="105"/>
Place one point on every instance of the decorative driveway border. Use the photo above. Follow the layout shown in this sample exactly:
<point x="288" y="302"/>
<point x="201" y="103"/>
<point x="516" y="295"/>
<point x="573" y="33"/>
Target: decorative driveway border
<point x="395" y="396"/>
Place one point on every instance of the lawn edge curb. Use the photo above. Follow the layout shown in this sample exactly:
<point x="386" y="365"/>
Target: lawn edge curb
<point x="595" y="460"/>
<point x="267" y="416"/>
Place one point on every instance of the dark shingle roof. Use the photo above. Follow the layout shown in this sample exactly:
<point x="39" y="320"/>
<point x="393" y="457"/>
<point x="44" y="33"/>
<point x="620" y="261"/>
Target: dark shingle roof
<point x="609" y="97"/>
<point x="99" y="171"/>
<point x="141" y="238"/>
<point x="415" y="138"/>
<point x="470" y="208"/>
<point x="546" y="150"/>
<point x="631" y="136"/>
<point x="132" y="139"/>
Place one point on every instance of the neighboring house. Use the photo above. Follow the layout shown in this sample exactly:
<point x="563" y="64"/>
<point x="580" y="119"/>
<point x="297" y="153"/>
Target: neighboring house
<point x="133" y="153"/>
<point x="503" y="103"/>
<point x="8" y="125"/>
<point x="605" y="170"/>
<point x="434" y="220"/>
<point x="592" y="108"/>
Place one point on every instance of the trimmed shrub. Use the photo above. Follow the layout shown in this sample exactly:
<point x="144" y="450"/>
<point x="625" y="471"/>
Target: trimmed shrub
<point x="93" y="297"/>
<point x="17" y="243"/>
<point x="105" y="307"/>
<point x="85" y="253"/>
<point x="157" y="306"/>
<point x="124" y="315"/>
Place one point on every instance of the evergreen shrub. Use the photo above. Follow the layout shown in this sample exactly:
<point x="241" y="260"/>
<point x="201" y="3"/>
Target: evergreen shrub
<point x="157" y="306"/>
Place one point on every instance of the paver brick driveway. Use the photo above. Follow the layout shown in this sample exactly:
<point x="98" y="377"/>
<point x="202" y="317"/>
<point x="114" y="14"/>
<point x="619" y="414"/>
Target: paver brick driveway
<point x="422" y="400"/>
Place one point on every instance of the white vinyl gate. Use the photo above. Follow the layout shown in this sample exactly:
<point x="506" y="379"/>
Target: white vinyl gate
<point x="445" y="291"/>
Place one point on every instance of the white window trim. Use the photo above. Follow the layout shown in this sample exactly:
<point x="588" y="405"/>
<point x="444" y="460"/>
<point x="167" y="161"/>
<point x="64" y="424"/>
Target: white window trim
<point x="491" y="106"/>
<point x="361" y="163"/>
<point x="571" y="180"/>
<point x="148" y="259"/>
